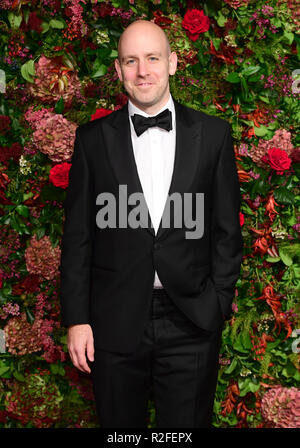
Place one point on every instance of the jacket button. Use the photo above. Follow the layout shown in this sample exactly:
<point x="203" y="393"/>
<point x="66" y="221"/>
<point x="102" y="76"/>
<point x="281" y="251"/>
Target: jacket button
<point x="157" y="246"/>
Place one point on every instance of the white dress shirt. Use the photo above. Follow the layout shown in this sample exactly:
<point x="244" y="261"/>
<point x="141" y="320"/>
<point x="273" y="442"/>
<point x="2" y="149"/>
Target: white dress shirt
<point x="154" y="153"/>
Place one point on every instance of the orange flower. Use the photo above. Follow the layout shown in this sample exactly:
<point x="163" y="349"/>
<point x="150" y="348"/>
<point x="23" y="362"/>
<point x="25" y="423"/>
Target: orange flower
<point x="243" y="176"/>
<point x="274" y="302"/>
<point x="261" y="245"/>
<point x="258" y="116"/>
<point x="270" y="210"/>
<point x="231" y="397"/>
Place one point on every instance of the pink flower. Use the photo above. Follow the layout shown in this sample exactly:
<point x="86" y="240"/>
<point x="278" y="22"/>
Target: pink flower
<point x="280" y="407"/>
<point x="41" y="258"/>
<point x="236" y="3"/>
<point x="281" y="139"/>
<point x="54" y="135"/>
<point x="234" y="307"/>
<point x="53" y="80"/>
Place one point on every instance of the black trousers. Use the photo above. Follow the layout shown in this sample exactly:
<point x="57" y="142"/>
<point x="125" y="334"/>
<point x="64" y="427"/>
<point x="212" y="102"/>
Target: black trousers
<point x="176" y="364"/>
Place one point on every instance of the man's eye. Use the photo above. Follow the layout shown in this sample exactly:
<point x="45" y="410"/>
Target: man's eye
<point x="153" y="57"/>
<point x="130" y="60"/>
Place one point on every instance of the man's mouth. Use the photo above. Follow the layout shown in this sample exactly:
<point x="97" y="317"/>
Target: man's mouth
<point x="145" y="84"/>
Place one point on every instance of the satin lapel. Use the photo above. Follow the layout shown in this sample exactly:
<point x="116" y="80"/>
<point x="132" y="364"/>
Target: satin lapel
<point x="119" y="147"/>
<point x="187" y="155"/>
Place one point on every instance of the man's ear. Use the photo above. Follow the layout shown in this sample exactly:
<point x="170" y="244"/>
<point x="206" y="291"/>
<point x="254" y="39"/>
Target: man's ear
<point x="172" y="63"/>
<point x="118" y="69"/>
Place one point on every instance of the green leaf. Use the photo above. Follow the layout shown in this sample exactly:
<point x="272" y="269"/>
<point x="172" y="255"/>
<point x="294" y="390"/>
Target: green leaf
<point x="45" y="27"/>
<point x="216" y="42"/>
<point x="15" y="224"/>
<point x="28" y="71"/>
<point x="254" y="78"/>
<point x="4" y="293"/>
<point x="247" y="210"/>
<point x="248" y="71"/>
<point x="288" y="36"/>
<point x="287" y="260"/>
<point x="27" y="196"/>
<point x="14" y="20"/>
<point x="30" y="317"/>
<point x="261" y="131"/>
<point x="54" y="368"/>
<point x="40" y="232"/>
<point x="265" y="99"/>
<point x="258" y="186"/>
<point x="231" y="366"/>
<point x="18" y="375"/>
<point x="133" y="9"/>
<point x="297" y="376"/>
<point x="253" y="387"/>
<point x="221" y="20"/>
<point x="113" y="54"/>
<point x="4" y="369"/>
<point x="26" y="13"/>
<point x="244" y="86"/>
<point x="276" y="22"/>
<point x="63" y="339"/>
<point x="273" y="259"/>
<point x="58" y="24"/>
<point x="244" y="386"/>
<point x="57" y="369"/>
<point x="59" y="106"/>
<point x="284" y="196"/>
<point x="298" y="51"/>
<point x="246" y="340"/>
<point x="23" y="210"/>
<point x="296" y="167"/>
<point x="233" y="77"/>
<point x="101" y="71"/>
<point x="238" y="344"/>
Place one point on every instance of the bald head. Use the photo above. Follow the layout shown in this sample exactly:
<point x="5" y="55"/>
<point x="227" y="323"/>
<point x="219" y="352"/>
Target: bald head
<point x="144" y="64"/>
<point x="141" y="27"/>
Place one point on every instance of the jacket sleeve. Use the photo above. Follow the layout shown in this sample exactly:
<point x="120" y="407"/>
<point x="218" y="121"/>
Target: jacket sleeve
<point x="226" y="242"/>
<point x="77" y="240"/>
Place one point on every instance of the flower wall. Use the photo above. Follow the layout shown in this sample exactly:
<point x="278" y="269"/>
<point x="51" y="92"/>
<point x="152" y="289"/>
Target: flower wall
<point x="239" y="60"/>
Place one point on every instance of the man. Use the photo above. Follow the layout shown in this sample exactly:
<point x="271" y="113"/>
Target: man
<point x="145" y="305"/>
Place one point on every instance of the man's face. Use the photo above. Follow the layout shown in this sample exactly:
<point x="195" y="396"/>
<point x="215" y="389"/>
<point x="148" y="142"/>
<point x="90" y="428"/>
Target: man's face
<point x="145" y="67"/>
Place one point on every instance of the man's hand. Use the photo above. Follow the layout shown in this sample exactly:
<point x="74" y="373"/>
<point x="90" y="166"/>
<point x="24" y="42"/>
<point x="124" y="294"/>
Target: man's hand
<point x="80" y="339"/>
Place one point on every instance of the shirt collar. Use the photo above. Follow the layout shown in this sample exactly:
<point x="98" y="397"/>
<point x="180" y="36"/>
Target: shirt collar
<point x="132" y="109"/>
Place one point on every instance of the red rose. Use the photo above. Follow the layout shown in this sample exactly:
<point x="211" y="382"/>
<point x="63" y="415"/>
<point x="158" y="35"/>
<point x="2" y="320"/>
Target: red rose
<point x="59" y="175"/>
<point x="278" y="160"/>
<point x="101" y="113"/>
<point x="195" y="22"/>
<point x="242" y="219"/>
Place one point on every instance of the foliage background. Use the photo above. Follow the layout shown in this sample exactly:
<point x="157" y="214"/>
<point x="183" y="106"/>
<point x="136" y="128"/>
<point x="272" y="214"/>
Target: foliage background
<point x="57" y="72"/>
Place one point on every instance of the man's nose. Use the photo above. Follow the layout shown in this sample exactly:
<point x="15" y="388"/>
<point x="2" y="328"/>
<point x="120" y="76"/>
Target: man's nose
<point x="142" y="68"/>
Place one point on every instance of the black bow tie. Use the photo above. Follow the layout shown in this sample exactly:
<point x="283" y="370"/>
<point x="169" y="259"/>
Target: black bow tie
<point x="162" y="120"/>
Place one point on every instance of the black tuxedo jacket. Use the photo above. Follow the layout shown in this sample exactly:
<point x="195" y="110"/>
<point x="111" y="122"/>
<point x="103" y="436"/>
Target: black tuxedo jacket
<point x="107" y="274"/>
